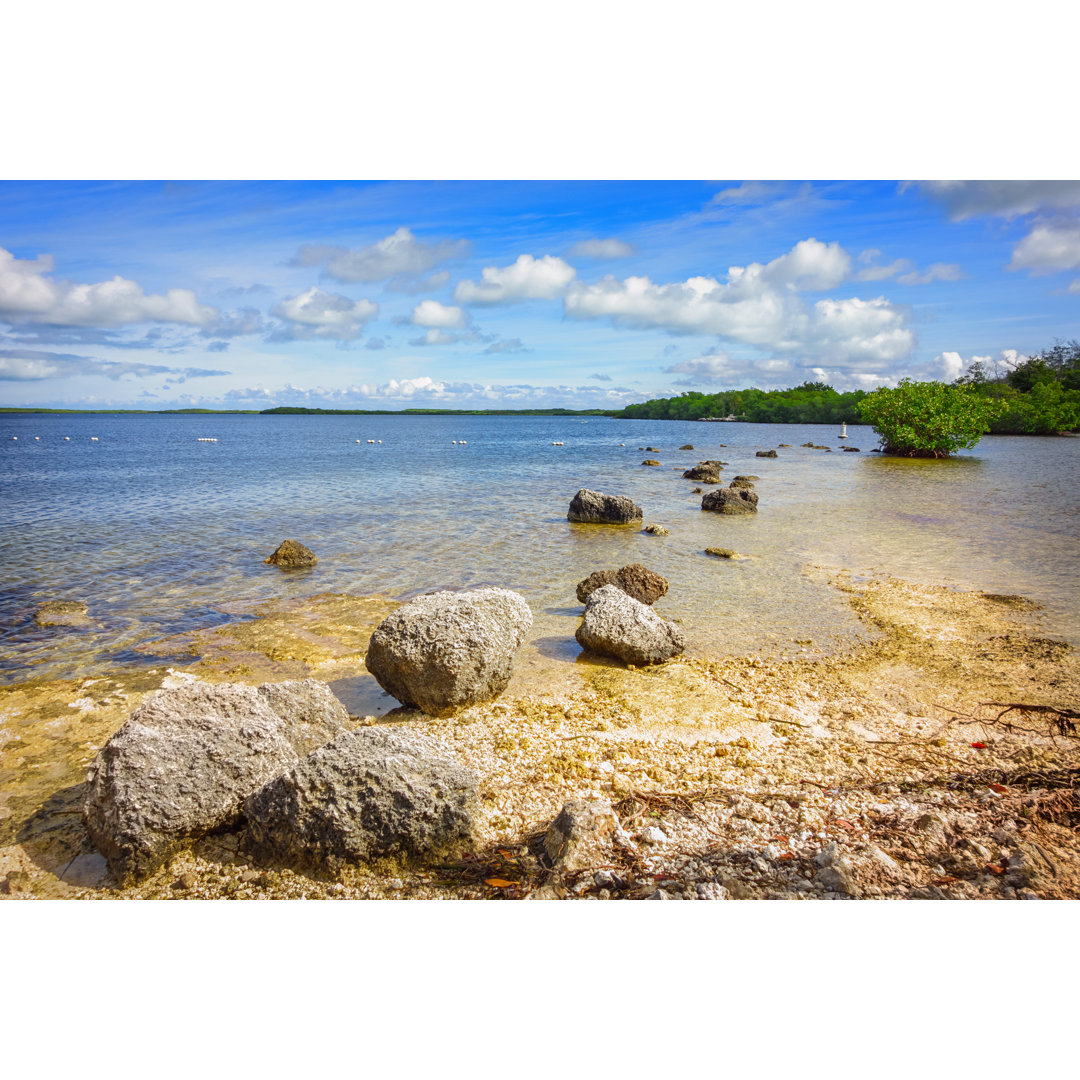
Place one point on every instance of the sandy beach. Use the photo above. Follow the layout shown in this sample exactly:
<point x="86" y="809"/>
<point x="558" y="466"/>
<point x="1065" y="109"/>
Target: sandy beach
<point x="935" y="756"/>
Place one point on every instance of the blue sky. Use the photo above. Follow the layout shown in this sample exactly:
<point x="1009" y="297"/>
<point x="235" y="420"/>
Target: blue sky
<point x="518" y="294"/>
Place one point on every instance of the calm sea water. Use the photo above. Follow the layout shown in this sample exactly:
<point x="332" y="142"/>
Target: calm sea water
<point x="154" y="529"/>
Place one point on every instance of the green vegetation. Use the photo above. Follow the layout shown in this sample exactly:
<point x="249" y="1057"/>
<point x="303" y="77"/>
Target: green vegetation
<point x="927" y="419"/>
<point x="1040" y="396"/>
<point x="811" y="403"/>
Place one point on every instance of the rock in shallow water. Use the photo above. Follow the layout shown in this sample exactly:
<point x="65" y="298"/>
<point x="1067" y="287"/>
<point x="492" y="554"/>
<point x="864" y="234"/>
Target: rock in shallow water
<point x="596" y="508"/>
<point x="617" y="625"/>
<point x="635" y="580"/>
<point x="62" y="613"/>
<point x="292" y="554"/>
<point x="185" y="760"/>
<point x="447" y="650"/>
<point x="731" y="501"/>
<point x="365" y="794"/>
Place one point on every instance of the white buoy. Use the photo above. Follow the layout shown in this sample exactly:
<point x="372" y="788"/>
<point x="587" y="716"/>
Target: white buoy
<point x="371" y="442"/>
<point x="67" y="438"/>
<point x="37" y="438"/>
<point x="455" y="442"/>
<point x="462" y="442"/>
<point x="380" y="442"/>
<point x="843" y="431"/>
<point x="93" y="438"/>
<point x="358" y="440"/>
<point x="14" y="438"/>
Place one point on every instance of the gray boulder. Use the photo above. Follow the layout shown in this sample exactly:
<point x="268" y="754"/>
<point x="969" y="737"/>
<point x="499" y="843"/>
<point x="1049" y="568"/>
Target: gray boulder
<point x="730" y="501"/>
<point x="185" y="760"/>
<point x="635" y="580"/>
<point x="707" y="472"/>
<point x="766" y="453"/>
<point x="618" y="625"/>
<point x="367" y="793"/>
<point x="745" y="485"/>
<point x="596" y="508"/>
<point x="656" y="530"/>
<point x="291" y="554"/>
<point x="447" y="650"/>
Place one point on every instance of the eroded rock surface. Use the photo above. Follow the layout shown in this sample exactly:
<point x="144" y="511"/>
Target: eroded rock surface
<point x="619" y="626"/>
<point x="185" y="760"/>
<point x="596" y="508"/>
<point x="62" y="613"/>
<point x="367" y="793"/>
<point x="292" y="554"/>
<point x="447" y="650"/>
<point x="730" y="501"/>
<point x="582" y="834"/>
<point x="635" y="580"/>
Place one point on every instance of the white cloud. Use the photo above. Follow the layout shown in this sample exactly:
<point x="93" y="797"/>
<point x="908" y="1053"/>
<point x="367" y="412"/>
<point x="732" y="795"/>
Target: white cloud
<point x="905" y="272"/>
<point x="1050" y="246"/>
<point x="29" y="365"/>
<point x="746" y="192"/>
<point x="424" y="391"/>
<point x="506" y="345"/>
<point x="318" y="314"/>
<point x="432" y="313"/>
<point x="934" y="272"/>
<point x="1001" y="198"/>
<point x="717" y="366"/>
<point x="398" y="255"/>
<point x="759" y="305"/>
<point x="1074" y="286"/>
<point x="236" y="324"/>
<point x="28" y="294"/>
<point x="435" y="336"/>
<point x="526" y="279"/>
<point x="601" y="249"/>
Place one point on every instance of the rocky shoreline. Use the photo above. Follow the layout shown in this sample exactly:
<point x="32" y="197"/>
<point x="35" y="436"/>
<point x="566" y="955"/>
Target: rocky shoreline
<point x="879" y="773"/>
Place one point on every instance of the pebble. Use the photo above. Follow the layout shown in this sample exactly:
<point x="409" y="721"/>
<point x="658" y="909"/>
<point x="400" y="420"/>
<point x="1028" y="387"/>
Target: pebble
<point x="653" y="835"/>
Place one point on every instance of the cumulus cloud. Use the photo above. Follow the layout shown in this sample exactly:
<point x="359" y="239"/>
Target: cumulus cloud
<point x="601" y="249"/>
<point x="1001" y="198"/>
<point x="600" y="378"/>
<point x="526" y="279"/>
<point x="26" y="365"/>
<point x="432" y="313"/>
<point x="1050" y="246"/>
<point x="399" y="255"/>
<point x="426" y="392"/>
<point x="759" y="305"/>
<point x="716" y="366"/>
<point x="749" y="191"/>
<point x="318" y="314"/>
<point x="904" y="271"/>
<point x="934" y="272"/>
<point x="1053" y="240"/>
<point x="28" y="293"/>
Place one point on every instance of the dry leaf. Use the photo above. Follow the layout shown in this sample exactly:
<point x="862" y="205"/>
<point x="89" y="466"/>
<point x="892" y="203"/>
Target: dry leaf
<point x="499" y="883"/>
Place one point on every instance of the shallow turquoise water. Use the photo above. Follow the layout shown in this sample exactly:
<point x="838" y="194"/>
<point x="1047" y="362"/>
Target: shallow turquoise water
<point x="154" y="529"/>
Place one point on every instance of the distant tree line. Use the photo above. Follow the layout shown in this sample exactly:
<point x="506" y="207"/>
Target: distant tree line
<point x="1036" y="396"/>
<point x="1039" y="395"/>
<point x="810" y="403"/>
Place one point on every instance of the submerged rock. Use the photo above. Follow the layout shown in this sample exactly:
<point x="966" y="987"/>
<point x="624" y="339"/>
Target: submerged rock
<point x="291" y="554"/>
<point x="744" y="485"/>
<point x="748" y="476"/>
<point x="596" y="508"/>
<point x="185" y="760"/>
<point x="767" y="453"/>
<point x="62" y="613"/>
<point x="722" y="553"/>
<point x="730" y="501"/>
<point x="851" y="449"/>
<point x="656" y="530"/>
<point x="707" y="472"/>
<point x="635" y="580"/>
<point x="447" y="650"/>
<point x="617" y="625"/>
<point x="687" y="446"/>
<point x="650" y="461"/>
<point x="365" y="794"/>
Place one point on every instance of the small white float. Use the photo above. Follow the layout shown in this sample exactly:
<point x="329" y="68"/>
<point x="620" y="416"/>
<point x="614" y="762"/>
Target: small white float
<point x="843" y="431"/>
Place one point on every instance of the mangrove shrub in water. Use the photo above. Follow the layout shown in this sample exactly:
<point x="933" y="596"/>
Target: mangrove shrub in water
<point x="927" y="419"/>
